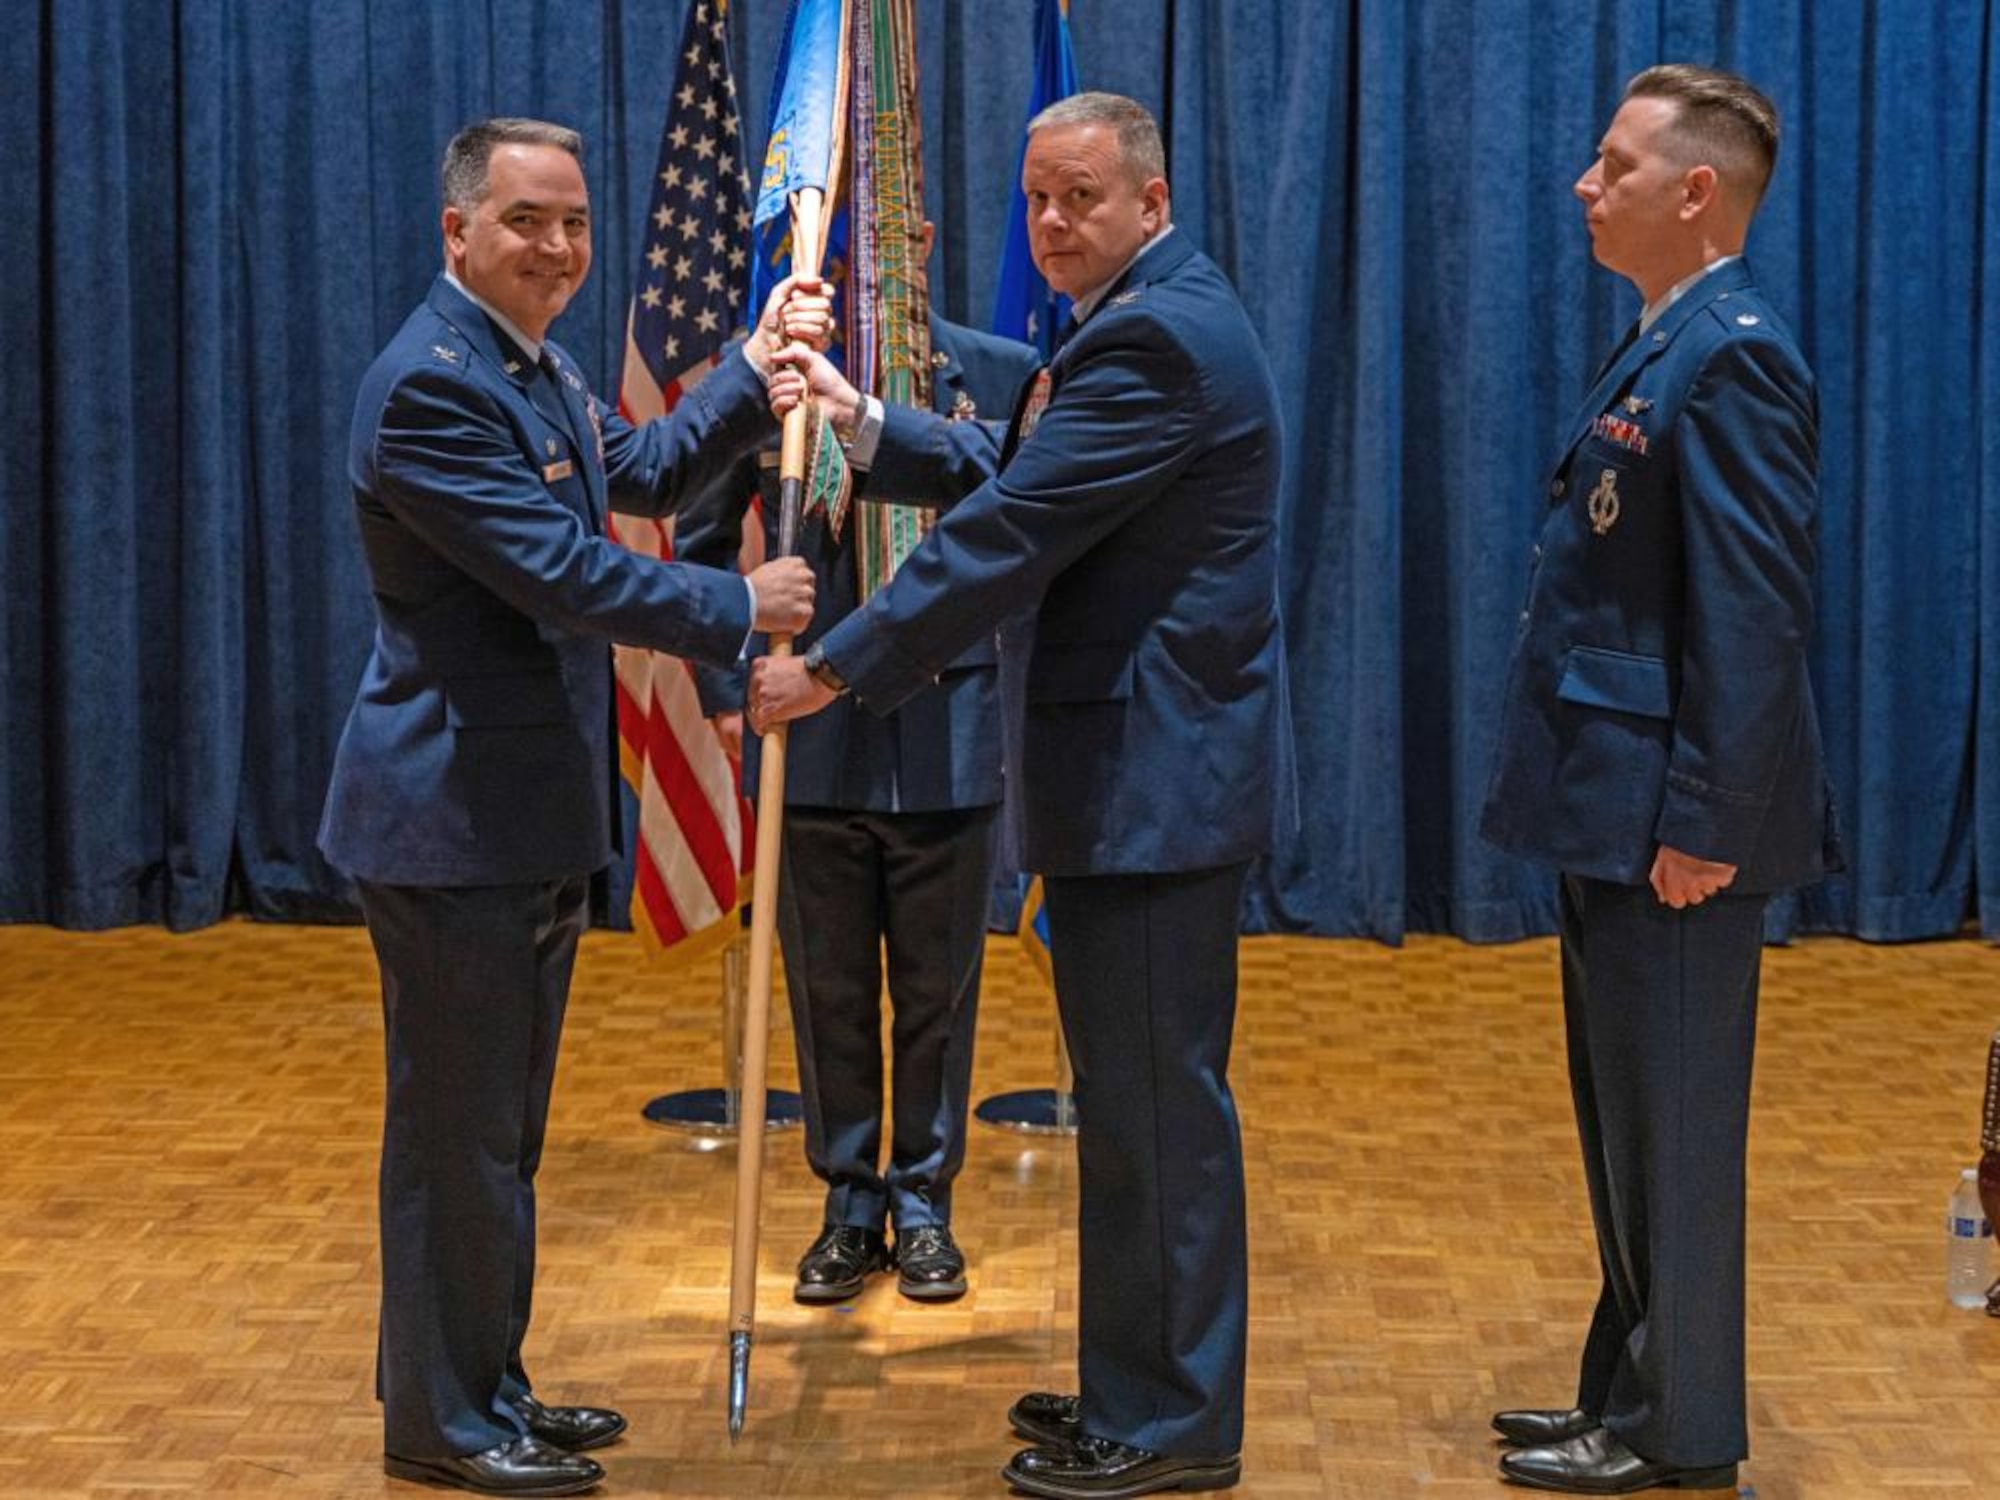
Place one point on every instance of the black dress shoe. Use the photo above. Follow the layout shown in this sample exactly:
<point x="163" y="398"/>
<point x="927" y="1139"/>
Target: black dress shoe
<point x="1096" y="1467"/>
<point x="1534" y="1429"/>
<point x="526" y="1466"/>
<point x="839" y="1262"/>
<point x="929" y="1264"/>
<point x="1599" y="1464"/>
<point x="571" y="1428"/>
<point x="1046" y="1418"/>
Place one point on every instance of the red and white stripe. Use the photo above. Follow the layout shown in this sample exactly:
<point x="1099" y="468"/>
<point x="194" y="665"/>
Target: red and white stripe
<point x="697" y="839"/>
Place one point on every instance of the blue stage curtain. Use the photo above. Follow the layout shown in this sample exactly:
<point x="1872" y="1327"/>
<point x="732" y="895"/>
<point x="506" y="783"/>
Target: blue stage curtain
<point x="234" y="203"/>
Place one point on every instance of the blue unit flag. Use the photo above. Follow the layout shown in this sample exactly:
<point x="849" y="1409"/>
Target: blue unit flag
<point x="800" y="153"/>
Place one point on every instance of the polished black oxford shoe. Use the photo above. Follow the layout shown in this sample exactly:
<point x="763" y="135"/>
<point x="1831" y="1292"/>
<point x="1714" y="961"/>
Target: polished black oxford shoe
<point x="1599" y="1464"/>
<point x="929" y="1265"/>
<point x="1095" y="1468"/>
<point x="526" y="1466"/>
<point x="571" y="1428"/>
<point x="1047" y="1418"/>
<point x="839" y="1262"/>
<point x="1539" y="1428"/>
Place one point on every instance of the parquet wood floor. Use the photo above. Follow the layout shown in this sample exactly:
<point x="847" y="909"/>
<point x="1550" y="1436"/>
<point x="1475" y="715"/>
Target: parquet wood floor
<point x="187" y="1262"/>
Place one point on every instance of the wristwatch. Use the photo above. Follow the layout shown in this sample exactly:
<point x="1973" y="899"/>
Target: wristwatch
<point x="821" y="671"/>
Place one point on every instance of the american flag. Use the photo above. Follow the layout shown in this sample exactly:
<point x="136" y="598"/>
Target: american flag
<point x="696" y="840"/>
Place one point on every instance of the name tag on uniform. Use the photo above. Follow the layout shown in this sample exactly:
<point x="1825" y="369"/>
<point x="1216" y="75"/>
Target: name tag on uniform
<point x="552" y="472"/>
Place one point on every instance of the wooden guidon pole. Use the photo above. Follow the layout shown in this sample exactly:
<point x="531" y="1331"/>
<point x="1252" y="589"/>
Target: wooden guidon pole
<point x="806" y="251"/>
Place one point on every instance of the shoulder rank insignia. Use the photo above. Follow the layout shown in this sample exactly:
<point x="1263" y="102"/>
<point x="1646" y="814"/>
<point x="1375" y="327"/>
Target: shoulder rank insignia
<point x="1603" y="503"/>
<point x="963" y="409"/>
<point x="449" y="356"/>
<point x="1636" y="404"/>
<point x="1748" y="320"/>
<point x="1124" y="297"/>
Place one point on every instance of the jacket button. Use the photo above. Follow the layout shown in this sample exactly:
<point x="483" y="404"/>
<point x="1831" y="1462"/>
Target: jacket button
<point x="1556" y="490"/>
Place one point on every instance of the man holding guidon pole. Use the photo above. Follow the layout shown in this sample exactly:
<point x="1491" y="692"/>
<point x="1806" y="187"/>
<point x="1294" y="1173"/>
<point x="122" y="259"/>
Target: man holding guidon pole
<point x="1135" y="500"/>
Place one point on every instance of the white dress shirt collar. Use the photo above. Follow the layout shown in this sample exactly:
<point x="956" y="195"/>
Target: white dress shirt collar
<point x="1677" y="291"/>
<point x="1087" y="304"/>
<point x="530" y="347"/>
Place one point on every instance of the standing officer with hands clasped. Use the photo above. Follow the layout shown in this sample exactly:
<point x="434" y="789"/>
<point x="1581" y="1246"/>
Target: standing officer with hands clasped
<point x="472" y="792"/>
<point x="887" y="867"/>
<point x="1660" y="748"/>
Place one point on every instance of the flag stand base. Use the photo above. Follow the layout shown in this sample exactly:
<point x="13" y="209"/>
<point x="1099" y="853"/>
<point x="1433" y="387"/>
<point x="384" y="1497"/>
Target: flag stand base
<point x="712" y="1112"/>
<point x="1030" y="1112"/>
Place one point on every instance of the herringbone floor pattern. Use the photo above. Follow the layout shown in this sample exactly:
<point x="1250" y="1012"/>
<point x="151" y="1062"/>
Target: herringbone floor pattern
<point x="187" y="1262"/>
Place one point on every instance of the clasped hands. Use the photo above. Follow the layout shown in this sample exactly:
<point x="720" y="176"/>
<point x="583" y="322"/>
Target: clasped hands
<point x="797" y="315"/>
<point x="787" y="349"/>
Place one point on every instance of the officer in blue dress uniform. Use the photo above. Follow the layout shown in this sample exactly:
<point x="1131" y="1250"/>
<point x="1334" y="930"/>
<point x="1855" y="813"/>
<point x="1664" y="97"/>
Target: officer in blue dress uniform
<point x="1660" y="749"/>
<point x="888" y="851"/>
<point x="471" y="793"/>
<point x="1134" y="507"/>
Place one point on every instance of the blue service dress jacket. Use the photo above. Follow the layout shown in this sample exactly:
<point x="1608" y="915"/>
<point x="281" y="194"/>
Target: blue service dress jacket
<point x="1658" y="692"/>
<point x="478" y="750"/>
<point x="1140" y="512"/>
<point x="942" y="749"/>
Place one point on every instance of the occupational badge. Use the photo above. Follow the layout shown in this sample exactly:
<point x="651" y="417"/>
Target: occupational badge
<point x="550" y="444"/>
<point x="1603" y="502"/>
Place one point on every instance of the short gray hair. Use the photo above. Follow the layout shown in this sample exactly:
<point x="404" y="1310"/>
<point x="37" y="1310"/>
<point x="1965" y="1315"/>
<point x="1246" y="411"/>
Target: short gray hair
<point x="1139" y="145"/>
<point x="470" y="153"/>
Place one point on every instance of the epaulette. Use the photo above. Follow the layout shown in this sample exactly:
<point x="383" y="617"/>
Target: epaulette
<point x="1736" y="314"/>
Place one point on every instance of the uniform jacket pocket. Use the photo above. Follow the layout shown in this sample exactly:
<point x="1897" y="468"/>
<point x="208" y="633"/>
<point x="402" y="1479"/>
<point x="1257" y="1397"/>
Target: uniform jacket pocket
<point x="1617" y="680"/>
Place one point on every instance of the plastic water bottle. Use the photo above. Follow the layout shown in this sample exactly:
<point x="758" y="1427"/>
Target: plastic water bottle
<point x="1969" y="1262"/>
